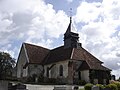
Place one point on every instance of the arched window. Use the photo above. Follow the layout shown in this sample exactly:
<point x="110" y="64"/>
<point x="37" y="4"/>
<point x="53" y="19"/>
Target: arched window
<point x="61" y="70"/>
<point x="47" y="72"/>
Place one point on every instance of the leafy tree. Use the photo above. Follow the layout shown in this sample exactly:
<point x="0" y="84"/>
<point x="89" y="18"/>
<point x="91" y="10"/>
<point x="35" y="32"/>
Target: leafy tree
<point x="92" y="75"/>
<point x="7" y="63"/>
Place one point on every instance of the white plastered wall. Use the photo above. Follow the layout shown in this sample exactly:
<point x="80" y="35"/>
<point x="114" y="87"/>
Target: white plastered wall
<point x="85" y="75"/>
<point x="21" y="62"/>
<point x="35" y="69"/>
<point x="54" y="71"/>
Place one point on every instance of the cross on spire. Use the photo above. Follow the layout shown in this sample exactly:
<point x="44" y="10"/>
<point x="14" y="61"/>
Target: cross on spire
<point x="70" y="15"/>
<point x="70" y="12"/>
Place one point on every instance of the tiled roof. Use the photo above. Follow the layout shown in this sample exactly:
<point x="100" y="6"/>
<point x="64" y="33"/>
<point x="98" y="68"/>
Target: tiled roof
<point x="61" y="54"/>
<point x="82" y="54"/>
<point x="36" y="54"/>
<point x="40" y="55"/>
<point x="84" y="66"/>
<point x="58" y="54"/>
<point x="92" y="61"/>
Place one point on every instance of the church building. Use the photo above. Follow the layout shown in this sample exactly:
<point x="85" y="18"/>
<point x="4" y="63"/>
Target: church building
<point x="66" y="64"/>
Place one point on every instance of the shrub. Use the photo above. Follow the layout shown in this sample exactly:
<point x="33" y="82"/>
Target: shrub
<point x="30" y="79"/>
<point x="100" y="86"/>
<point x="112" y="86"/>
<point x="82" y="82"/>
<point x="52" y="80"/>
<point x="118" y="85"/>
<point x="88" y="86"/>
<point x="81" y="89"/>
<point x="107" y="86"/>
<point x="49" y="81"/>
<point x="40" y="79"/>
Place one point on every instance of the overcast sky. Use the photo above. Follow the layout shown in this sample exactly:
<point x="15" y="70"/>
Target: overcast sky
<point x="43" y="22"/>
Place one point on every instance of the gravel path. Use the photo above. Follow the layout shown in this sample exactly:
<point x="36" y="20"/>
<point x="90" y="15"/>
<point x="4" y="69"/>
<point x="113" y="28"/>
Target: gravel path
<point x="46" y="87"/>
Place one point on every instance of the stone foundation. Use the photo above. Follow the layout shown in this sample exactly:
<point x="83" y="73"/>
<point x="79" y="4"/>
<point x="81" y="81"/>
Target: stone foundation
<point x="3" y="85"/>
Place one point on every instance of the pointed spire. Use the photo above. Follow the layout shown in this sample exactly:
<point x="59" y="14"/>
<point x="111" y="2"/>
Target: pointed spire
<point x="70" y="19"/>
<point x="71" y="38"/>
<point x="70" y="26"/>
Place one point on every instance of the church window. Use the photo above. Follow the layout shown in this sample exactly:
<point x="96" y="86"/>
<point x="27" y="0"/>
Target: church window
<point x="61" y="70"/>
<point x="21" y="70"/>
<point x="47" y="72"/>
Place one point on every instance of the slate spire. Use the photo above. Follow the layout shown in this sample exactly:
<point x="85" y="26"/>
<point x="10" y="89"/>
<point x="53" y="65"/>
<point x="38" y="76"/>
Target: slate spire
<point x="69" y="26"/>
<point x="71" y="39"/>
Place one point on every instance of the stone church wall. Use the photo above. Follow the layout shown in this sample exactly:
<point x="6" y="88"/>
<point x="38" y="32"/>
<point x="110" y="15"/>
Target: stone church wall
<point x="85" y="75"/>
<point x="25" y="72"/>
<point x="35" y="69"/>
<point x="21" y="62"/>
<point x="3" y="85"/>
<point x="54" y="71"/>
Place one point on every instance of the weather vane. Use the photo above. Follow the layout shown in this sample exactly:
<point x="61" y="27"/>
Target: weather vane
<point x="70" y="12"/>
<point x="70" y="15"/>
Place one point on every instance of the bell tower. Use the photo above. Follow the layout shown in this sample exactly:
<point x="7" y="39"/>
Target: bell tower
<point x="71" y="39"/>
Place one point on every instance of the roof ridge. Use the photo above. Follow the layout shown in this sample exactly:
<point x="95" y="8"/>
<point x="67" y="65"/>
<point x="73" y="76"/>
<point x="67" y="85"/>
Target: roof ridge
<point x="36" y="54"/>
<point x="88" y="64"/>
<point x="26" y="53"/>
<point x="72" y="53"/>
<point x="35" y="45"/>
<point x="57" y="47"/>
<point x="92" y="55"/>
<point x="86" y="60"/>
<point x="46" y="58"/>
<point x="105" y="67"/>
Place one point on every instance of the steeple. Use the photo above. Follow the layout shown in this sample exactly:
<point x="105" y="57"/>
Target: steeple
<point x="71" y="39"/>
<point x="69" y="26"/>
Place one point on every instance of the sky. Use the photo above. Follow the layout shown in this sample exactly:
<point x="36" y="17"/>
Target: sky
<point x="44" y="22"/>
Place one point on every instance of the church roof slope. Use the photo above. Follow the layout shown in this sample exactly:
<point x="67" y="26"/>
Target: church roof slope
<point x="41" y="55"/>
<point x="94" y="66"/>
<point x="36" y="54"/>
<point x="62" y="54"/>
<point x="82" y="54"/>
<point x="58" y="54"/>
<point x="91" y="61"/>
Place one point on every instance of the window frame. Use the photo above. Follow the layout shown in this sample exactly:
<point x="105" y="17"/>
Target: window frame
<point x="61" y="70"/>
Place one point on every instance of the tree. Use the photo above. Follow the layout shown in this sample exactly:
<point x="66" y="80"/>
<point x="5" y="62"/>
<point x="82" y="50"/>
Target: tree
<point x="7" y="63"/>
<point x="92" y="75"/>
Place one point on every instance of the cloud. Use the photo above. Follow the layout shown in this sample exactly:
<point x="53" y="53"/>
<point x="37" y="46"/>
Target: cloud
<point x="87" y="12"/>
<point x="100" y="32"/>
<point x="31" y="21"/>
<point x="36" y="22"/>
<point x="69" y="1"/>
<point x="118" y="54"/>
